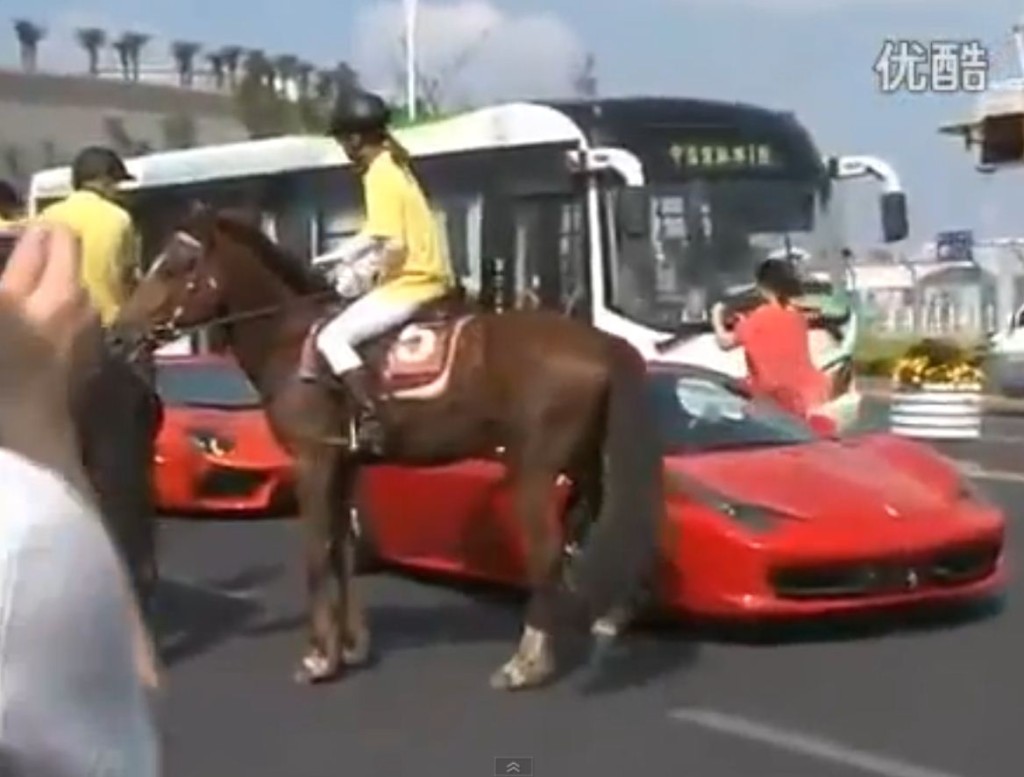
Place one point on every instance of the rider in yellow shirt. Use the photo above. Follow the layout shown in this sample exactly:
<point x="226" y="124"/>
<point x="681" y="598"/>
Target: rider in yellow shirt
<point x="110" y="263"/>
<point x="396" y="264"/>
<point x="11" y="212"/>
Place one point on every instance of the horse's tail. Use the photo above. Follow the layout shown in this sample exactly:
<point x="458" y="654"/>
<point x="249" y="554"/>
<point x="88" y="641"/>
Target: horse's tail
<point x="619" y="555"/>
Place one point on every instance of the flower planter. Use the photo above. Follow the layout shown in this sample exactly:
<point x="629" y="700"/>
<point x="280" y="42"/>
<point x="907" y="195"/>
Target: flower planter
<point x="937" y="411"/>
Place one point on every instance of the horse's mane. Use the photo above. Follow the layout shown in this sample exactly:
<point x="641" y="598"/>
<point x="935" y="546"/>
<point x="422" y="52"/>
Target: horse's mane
<point x="298" y="275"/>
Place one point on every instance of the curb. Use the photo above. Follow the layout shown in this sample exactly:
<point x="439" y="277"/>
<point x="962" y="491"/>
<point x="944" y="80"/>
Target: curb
<point x="996" y="402"/>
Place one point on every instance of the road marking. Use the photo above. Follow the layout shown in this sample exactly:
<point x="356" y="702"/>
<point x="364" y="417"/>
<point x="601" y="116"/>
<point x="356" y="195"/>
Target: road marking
<point x="803" y="744"/>
<point x="243" y="594"/>
<point x="975" y="470"/>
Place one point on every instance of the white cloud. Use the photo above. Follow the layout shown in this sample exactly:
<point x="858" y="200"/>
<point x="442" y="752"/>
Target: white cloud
<point x="479" y="51"/>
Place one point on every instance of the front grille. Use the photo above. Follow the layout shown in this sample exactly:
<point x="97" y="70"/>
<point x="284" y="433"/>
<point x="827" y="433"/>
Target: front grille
<point x="225" y="482"/>
<point x="955" y="565"/>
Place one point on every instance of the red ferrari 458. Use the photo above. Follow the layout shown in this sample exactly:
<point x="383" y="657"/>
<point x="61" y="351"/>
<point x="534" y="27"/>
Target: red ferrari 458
<point x="766" y="517"/>
<point x="215" y="452"/>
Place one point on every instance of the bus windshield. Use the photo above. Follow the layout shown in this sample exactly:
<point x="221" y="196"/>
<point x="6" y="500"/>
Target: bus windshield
<point x="704" y="240"/>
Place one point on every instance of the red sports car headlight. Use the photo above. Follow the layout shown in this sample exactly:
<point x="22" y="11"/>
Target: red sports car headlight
<point x="969" y="491"/>
<point x="755" y="518"/>
<point x="210" y="442"/>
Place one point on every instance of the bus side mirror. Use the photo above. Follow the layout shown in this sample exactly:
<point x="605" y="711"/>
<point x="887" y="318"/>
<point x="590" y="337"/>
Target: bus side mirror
<point x="895" y="225"/>
<point x="633" y="212"/>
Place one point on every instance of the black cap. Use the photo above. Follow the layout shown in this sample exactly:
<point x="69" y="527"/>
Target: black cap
<point x="356" y="111"/>
<point x="95" y="163"/>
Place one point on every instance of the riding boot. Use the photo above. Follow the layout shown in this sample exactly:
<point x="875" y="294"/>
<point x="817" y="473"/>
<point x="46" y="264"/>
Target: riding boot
<point x="369" y="429"/>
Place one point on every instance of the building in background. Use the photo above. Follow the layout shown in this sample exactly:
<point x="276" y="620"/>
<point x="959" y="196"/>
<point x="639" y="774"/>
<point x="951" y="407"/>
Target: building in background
<point x="949" y="288"/>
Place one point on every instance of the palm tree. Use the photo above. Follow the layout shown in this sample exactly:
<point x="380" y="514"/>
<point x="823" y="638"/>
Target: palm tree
<point x="29" y="34"/>
<point x="325" y="85"/>
<point x="346" y="79"/>
<point x="216" y="60"/>
<point x="92" y="39"/>
<point x="123" y="48"/>
<point x="14" y="158"/>
<point x="184" y="53"/>
<point x="284" y="67"/>
<point x="232" y="57"/>
<point x="303" y="78"/>
<point x="257" y="67"/>
<point x="49" y="153"/>
<point x="135" y="42"/>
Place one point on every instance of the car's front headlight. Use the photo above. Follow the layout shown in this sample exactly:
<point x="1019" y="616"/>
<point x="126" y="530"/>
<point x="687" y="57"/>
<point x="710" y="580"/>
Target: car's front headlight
<point x="211" y="443"/>
<point x="755" y="518"/>
<point x="969" y="491"/>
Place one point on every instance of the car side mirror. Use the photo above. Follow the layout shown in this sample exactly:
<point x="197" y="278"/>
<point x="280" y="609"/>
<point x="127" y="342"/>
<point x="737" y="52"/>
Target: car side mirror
<point x="633" y="212"/>
<point x="895" y="223"/>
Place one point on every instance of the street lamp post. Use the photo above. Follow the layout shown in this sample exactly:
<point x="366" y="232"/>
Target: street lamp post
<point x="410" y="57"/>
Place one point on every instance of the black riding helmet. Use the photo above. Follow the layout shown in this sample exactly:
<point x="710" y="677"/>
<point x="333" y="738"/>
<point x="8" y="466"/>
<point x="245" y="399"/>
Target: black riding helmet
<point x="357" y="112"/>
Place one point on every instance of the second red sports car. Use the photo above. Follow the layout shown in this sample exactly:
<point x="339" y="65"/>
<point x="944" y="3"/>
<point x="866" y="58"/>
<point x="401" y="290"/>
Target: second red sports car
<point x="766" y="518"/>
<point x="215" y="451"/>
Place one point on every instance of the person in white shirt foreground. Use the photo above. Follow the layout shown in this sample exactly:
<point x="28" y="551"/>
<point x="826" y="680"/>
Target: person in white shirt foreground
<point x="75" y="659"/>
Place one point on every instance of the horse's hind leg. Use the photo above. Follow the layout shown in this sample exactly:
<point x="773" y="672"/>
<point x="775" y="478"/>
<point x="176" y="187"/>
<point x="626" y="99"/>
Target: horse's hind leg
<point x="534" y="660"/>
<point x="322" y="659"/>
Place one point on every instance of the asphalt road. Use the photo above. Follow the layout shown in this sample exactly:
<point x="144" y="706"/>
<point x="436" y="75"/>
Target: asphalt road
<point x="940" y="699"/>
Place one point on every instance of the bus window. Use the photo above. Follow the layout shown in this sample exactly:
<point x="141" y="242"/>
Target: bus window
<point x="458" y="217"/>
<point x="549" y="268"/>
<point x="572" y="255"/>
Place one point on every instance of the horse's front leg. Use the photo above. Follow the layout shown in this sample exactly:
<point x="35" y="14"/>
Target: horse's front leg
<point x="322" y="658"/>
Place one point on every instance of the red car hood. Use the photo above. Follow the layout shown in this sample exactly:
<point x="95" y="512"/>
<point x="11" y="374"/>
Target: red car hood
<point x="826" y="481"/>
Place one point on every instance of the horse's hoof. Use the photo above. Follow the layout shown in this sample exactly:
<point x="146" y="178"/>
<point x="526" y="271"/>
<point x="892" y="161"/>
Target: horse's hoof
<point x="358" y="654"/>
<point x="518" y="675"/>
<point x="602" y="649"/>
<point x="508" y="678"/>
<point x="315" y="668"/>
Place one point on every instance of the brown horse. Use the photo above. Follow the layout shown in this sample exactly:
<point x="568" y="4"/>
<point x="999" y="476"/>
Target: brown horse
<point x="544" y="394"/>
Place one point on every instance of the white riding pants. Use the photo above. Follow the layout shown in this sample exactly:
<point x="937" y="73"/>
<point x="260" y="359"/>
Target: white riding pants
<point x="369" y="316"/>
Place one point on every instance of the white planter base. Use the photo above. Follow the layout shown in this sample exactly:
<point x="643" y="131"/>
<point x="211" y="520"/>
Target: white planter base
<point x="937" y="412"/>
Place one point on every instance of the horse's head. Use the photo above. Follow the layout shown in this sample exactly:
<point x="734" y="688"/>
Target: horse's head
<point x="183" y="286"/>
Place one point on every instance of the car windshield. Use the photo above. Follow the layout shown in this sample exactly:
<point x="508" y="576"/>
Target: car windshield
<point x="205" y="385"/>
<point x="698" y="414"/>
<point x="707" y="237"/>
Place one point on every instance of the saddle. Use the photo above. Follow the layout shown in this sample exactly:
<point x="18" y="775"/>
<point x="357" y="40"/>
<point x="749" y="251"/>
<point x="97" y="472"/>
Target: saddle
<point x="410" y="361"/>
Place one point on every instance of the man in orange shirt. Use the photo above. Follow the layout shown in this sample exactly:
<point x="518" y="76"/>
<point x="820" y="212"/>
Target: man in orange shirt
<point x="775" y="339"/>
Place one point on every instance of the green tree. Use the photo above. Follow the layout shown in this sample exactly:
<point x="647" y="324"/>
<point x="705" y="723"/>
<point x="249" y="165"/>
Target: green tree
<point x="267" y="111"/>
<point x="29" y="35"/>
<point x="92" y="39"/>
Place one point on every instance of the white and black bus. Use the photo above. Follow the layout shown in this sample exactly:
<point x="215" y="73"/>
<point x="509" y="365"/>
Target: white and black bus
<point x="635" y="214"/>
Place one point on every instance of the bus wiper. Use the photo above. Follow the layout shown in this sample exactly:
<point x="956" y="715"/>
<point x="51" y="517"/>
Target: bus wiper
<point x="683" y="332"/>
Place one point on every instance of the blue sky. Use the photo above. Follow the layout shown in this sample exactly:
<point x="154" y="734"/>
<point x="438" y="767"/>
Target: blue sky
<point x="811" y="56"/>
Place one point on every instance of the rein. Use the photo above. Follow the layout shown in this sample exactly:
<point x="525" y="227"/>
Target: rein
<point x="173" y="331"/>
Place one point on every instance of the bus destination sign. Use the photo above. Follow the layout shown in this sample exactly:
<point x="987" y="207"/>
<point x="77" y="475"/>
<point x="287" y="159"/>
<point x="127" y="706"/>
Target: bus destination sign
<point x="723" y="156"/>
